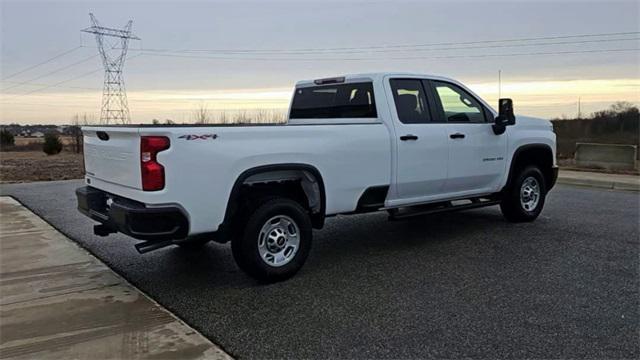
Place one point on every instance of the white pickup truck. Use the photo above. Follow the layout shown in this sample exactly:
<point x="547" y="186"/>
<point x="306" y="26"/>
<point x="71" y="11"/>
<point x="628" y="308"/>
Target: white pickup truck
<point x="403" y="143"/>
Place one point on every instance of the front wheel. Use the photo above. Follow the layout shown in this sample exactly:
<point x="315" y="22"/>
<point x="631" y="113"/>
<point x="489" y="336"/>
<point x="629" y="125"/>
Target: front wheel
<point x="524" y="199"/>
<point x="275" y="242"/>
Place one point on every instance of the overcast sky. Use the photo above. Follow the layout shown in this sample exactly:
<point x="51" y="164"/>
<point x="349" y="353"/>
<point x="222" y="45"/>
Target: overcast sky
<point x="193" y="70"/>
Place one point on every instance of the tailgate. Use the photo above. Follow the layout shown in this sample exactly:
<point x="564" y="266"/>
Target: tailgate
<point x="113" y="155"/>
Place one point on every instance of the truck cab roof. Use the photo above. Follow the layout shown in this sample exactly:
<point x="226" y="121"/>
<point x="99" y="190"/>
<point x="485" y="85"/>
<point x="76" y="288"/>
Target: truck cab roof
<point x="378" y="77"/>
<point x="372" y="76"/>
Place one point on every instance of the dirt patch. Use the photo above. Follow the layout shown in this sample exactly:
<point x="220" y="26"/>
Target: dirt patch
<point x="26" y="166"/>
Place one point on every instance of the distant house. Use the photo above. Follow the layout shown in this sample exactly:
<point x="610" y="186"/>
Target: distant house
<point x="37" y="134"/>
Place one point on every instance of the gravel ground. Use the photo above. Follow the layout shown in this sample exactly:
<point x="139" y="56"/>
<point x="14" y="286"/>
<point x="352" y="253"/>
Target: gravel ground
<point x="462" y="285"/>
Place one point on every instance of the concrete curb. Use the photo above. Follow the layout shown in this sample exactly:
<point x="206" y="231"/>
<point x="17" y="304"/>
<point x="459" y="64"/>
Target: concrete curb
<point x="598" y="183"/>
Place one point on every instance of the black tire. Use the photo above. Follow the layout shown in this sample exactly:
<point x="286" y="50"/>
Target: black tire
<point x="245" y="246"/>
<point x="512" y="207"/>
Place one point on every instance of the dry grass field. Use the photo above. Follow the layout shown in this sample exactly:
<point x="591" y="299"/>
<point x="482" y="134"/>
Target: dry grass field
<point x="33" y="142"/>
<point x="26" y="166"/>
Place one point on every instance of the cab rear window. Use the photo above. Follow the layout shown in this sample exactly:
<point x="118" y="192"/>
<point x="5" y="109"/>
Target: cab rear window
<point x="353" y="100"/>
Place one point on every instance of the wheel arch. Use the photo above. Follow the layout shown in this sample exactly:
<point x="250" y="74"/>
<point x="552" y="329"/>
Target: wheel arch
<point x="540" y="155"/>
<point x="311" y="181"/>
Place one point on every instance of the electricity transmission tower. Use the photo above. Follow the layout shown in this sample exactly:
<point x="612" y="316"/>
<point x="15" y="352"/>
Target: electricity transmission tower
<point x="114" y="97"/>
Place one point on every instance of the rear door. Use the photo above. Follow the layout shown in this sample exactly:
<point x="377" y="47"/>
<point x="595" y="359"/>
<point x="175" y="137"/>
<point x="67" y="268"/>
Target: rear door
<point x="422" y="147"/>
<point x="476" y="154"/>
<point x="113" y="155"/>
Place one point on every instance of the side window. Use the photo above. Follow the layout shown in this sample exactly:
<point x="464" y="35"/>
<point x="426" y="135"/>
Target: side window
<point x="410" y="100"/>
<point x="458" y="105"/>
<point x="351" y="100"/>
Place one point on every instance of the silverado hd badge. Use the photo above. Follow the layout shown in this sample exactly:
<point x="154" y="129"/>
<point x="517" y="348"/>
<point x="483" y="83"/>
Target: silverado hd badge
<point x="199" y="137"/>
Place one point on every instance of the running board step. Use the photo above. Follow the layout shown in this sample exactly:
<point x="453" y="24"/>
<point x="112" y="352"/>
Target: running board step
<point x="401" y="213"/>
<point x="146" y="246"/>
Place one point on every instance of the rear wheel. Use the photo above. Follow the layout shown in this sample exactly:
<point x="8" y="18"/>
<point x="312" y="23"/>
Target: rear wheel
<point x="524" y="199"/>
<point x="275" y="242"/>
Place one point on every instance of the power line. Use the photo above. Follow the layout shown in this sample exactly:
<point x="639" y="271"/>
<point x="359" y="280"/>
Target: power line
<point x="148" y="52"/>
<point x="40" y="104"/>
<point x="50" y="73"/>
<point x="355" y="50"/>
<point x="67" y="80"/>
<point x="42" y="63"/>
<point x="151" y="102"/>
<point x="66" y="96"/>
<point x="558" y="37"/>
<point x="66" y="87"/>
<point x="573" y="42"/>
<point x="530" y="53"/>
<point x="56" y="84"/>
<point x="394" y="58"/>
<point x="336" y="59"/>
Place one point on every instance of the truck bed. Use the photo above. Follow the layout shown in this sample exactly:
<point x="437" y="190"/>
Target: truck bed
<point x="203" y="161"/>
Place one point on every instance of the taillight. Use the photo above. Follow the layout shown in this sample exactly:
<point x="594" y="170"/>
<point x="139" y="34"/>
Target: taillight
<point x="152" y="171"/>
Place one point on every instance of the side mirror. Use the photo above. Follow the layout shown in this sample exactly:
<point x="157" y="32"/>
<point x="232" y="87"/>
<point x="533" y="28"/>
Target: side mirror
<point x="505" y="116"/>
<point x="505" y="110"/>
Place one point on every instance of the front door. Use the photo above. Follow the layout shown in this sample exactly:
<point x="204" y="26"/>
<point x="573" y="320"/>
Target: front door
<point x="422" y="146"/>
<point x="476" y="155"/>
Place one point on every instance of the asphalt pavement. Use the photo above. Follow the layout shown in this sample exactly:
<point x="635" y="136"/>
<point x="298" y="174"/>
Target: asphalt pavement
<point x="452" y="285"/>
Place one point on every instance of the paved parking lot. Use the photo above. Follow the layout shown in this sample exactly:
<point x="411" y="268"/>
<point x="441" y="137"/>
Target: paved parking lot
<point x="450" y="286"/>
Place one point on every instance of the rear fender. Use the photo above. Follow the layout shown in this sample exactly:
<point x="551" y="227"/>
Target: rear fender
<point x="311" y="182"/>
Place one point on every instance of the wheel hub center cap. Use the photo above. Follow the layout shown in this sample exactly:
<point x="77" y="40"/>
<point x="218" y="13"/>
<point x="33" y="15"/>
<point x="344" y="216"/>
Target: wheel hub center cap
<point x="278" y="241"/>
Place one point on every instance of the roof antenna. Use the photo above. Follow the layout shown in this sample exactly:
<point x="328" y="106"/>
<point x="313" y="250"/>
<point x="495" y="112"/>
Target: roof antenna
<point x="499" y="84"/>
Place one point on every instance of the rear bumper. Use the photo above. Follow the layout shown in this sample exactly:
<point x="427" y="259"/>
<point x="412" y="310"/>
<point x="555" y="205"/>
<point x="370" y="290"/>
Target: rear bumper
<point x="132" y="218"/>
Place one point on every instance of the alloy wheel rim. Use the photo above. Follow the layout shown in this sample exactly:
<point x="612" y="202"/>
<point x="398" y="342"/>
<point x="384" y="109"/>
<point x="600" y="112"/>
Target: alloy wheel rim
<point x="278" y="240"/>
<point x="530" y="193"/>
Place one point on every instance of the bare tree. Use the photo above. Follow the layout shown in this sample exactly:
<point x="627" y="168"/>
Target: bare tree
<point x="241" y="117"/>
<point x="278" y="116"/>
<point x="269" y="116"/>
<point x="222" y="117"/>
<point x="76" y="132"/>
<point x="261" y="115"/>
<point x="201" y="115"/>
<point x="622" y="106"/>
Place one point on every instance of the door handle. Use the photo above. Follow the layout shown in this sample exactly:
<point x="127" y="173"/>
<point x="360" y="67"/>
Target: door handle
<point x="457" y="136"/>
<point x="408" y="137"/>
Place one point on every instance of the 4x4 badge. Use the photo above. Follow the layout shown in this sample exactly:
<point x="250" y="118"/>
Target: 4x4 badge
<point x="199" y="137"/>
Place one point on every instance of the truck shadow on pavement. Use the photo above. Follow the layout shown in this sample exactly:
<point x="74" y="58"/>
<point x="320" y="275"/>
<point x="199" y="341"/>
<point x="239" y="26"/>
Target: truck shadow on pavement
<point x="344" y="242"/>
